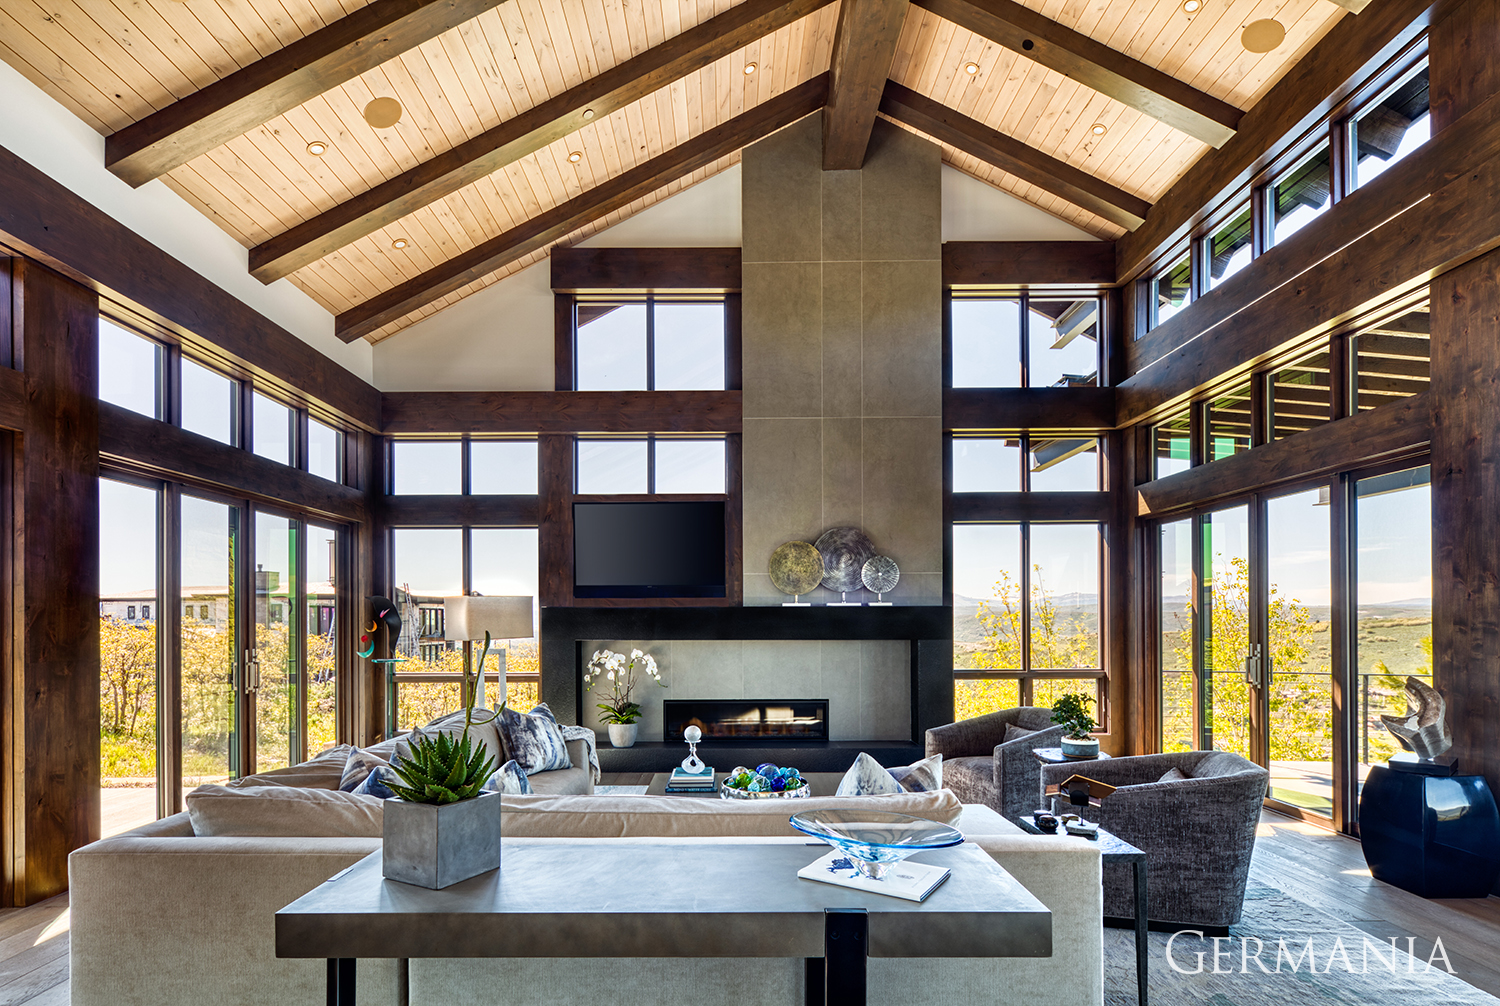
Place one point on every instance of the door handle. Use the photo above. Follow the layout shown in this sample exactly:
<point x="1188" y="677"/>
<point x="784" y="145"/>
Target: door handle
<point x="252" y="672"/>
<point x="1255" y="666"/>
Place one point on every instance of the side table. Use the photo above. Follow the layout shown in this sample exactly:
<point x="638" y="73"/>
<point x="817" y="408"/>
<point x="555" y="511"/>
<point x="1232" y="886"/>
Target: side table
<point x="1113" y="849"/>
<point x="1054" y="756"/>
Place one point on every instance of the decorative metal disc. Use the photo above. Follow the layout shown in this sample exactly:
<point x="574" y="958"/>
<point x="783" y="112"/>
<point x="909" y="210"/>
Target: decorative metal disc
<point x="796" y="568"/>
<point x="845" y="551"/>
<point x="881" y="574"/>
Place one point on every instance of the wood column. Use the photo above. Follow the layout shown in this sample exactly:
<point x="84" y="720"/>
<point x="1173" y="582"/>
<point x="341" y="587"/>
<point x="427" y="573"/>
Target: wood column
<point x="51" y="714"/>
<point x="1466" y="426"/>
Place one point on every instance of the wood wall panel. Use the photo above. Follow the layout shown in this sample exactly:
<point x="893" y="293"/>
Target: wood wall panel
<point x="453" y="511"/>
<point x="645" y="270"/>
<point x="51" y="715"/>
<point x="1028" y="263"/>
<point x="1029" y="409"/>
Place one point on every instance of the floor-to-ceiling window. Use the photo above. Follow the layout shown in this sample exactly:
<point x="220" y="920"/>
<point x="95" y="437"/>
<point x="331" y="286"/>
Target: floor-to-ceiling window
<point x="209" y="577"/>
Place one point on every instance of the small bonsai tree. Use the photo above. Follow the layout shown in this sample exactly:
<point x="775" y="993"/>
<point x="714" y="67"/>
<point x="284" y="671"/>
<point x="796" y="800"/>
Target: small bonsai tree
<point x="1071" y="710"/>
<point x="440" y="769"/>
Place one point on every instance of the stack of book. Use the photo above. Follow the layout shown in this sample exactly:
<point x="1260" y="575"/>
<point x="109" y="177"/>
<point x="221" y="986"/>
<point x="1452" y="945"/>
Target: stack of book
<point x="683" y="781"/>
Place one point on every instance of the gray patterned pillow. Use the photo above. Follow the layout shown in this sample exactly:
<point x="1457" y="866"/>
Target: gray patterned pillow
<point x="925" y="776"/>
<point x="533" y="740"/>
<point x="508" y="778"/>
<point x="1013" y="732"/>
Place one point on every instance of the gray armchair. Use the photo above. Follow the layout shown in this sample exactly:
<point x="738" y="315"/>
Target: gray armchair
<point x="1198" y="832"/>
<point x="980" y="767"/>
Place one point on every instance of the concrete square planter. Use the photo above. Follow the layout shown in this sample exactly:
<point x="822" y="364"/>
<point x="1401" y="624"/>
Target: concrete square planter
<point x="436" y="847"/>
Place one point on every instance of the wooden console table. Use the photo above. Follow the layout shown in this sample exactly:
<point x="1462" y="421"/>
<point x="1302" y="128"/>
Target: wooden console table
<point x="556" y="901"/>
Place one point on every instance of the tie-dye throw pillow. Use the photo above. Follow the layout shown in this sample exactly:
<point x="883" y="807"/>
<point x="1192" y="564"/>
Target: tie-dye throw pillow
<point x="533" y="740"/>
<point x="866" y="777"/>
<point x="509" y="779"/>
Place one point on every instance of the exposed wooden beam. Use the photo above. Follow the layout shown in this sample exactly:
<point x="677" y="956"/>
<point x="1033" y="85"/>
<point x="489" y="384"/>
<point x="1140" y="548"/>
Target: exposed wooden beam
<point x="975" y="507"/>
<point x="541" y="230"/>
<point x="1011" y="155"/>
<point x="1387" y="432"/>
<point x="279" y="82"/>
<point x="1028" y="263"/>
<point x="525" y="134"/>
<point x="451" y="511"/>
<point x="1095" y="65"/>
<point x="1353" y="6"/>
<point x="13" y="393"/>
<point x="644" y="270"/>
<point x="1472" y="141"/>
<point x="864" y="44"/>
<point x="1029" y="409"/>
<point x="1311" y="88"/>
<point x="449" y="412"/>
<point x="43" y="220"/>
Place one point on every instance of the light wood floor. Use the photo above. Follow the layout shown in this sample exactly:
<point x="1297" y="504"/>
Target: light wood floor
<point x="1321" y="868"/>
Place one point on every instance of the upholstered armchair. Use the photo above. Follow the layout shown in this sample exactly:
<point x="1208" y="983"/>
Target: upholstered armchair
<point x="981" y="766"/>
<point x="1198" y="831"/>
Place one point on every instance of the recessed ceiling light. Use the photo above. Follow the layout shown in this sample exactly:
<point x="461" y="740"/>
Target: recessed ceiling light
<point x="317" y="148"/>
<point x="1192" y="6"/>
<point x="971" y="68"/>
<point x="1263" y="35"/>
<point x="575" y="157"/>
<point x="383" y="113"/>
<point x="588" y="113"/>
<point x="1098" y="129"/>
<point x="399" y="243"/>
<point x="749" y="69"/>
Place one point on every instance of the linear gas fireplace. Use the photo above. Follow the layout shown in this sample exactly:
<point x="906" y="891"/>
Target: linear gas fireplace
<point x="769" y="721"/>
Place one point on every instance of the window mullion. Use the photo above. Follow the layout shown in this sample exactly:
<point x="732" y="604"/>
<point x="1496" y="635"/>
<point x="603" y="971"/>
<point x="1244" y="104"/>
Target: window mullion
<point x="650" y="343"/>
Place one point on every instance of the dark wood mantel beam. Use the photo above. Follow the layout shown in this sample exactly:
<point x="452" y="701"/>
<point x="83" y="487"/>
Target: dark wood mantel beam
<point x="1095" y="65"/>
<point x="541" y="230"/>
<point x="525" y="134"/>
<point x="1011" y="155"/>
<point x="864" y="44"/>
<point x="257" y="93"/>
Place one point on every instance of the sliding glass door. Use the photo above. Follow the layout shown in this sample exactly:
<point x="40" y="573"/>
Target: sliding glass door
<point x="210" y="643"/>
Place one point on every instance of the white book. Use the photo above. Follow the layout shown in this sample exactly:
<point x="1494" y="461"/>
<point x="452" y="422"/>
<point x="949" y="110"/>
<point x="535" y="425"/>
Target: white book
<point x="912" y="881"/>
<point x="681" y="776"/>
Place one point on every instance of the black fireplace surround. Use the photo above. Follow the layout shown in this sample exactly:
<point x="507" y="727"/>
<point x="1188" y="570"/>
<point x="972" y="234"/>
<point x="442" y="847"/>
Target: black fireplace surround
<point x="927" y="629"/>
<point x="747" y="721"/>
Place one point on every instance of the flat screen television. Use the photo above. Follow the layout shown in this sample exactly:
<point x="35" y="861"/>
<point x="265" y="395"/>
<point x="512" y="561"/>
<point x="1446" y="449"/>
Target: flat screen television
<point x="648" y="549"/>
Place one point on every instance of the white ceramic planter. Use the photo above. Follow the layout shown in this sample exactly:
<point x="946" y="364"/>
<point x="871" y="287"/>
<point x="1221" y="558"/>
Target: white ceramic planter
<point x="1080" y="749"/>
<point x="436" y="847"/>
<point x="622" y="735"/>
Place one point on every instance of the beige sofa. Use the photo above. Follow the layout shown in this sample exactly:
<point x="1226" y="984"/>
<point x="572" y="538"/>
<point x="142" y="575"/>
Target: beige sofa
<point x="162" y="916"/>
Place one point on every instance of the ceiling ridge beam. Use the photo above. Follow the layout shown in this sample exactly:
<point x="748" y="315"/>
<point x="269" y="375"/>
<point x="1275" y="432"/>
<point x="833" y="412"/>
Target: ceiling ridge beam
<point x="257" y="93"/>
<point x="864" y="46"/>
<point x="563" y="219"/>
<point x="1013" y="156"/>
<point x="524" y="134"/>
<point x="1094" y="65"/>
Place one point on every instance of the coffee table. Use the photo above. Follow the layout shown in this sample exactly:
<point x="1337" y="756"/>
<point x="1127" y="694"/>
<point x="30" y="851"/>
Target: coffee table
<point x="821" y="783"/>
<point x="560" y="900"/>
<point x="1114" y="849"/>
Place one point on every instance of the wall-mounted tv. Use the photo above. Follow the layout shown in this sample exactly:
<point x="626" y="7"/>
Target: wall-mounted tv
<point x="648" y="549"/>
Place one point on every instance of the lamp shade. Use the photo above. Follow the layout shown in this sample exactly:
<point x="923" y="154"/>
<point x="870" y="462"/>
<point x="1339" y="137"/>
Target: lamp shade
<point x="471" y="617"/>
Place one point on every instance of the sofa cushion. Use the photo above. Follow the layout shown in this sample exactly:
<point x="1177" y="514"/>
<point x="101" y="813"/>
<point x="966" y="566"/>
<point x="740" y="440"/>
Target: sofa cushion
<point x="533" y="739"/>
<point x="358" y="768"/>
<point x="508" y="778"/>
<point x="1172" y="775"/>
<point x="920" y="777"/>
<point x="378" y="783"/>
<point x="693" y="817"/>
<point x="282" y="811"/>
<point x="866" y="777"/>
<point x="970" y="777"/>
<point x="484" y="730"/>
<point x="322" y="771"/>
<point x="1013" y="732"/>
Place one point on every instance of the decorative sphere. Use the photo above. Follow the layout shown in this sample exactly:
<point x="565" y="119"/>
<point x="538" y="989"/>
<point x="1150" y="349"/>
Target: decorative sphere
<point x="757" y="785"/>
<point x="778" y="784"/>
<point x="738" y="770"/>
<point x="766" y="768"/>
<point x="790" y="773"/>
<point x="692" y="735"/>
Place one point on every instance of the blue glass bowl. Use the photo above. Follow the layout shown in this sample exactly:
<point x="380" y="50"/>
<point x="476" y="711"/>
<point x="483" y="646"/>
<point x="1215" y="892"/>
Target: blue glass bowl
<point x="874" y="839"/>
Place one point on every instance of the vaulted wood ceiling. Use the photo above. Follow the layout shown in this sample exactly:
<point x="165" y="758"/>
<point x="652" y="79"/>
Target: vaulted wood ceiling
<point x="220" y="99"/>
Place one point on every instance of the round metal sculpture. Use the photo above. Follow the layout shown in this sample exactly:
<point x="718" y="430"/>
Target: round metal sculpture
<point x="796" y="568"/>
<point x="845" y="551"/>
<point x="881" y="574"/>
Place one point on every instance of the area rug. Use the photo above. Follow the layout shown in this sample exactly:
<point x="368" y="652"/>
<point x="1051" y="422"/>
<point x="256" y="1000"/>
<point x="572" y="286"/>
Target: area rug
<point x="1323" y="961"/>
<point x="620" y="790"/>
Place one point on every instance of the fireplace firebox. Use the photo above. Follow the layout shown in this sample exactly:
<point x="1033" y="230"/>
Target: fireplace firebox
<point x="769" y="721"/>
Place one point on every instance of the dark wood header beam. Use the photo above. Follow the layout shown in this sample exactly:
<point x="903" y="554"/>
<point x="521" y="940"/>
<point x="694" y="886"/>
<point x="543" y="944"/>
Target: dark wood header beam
<point x="1311" y="88"/>
<point x="1011" y="155"/>
<point x="645" y="270"/>
<point x="450" y="412"/>
<point x="525" y="134"/>
<point x="1095" y="65"/>
<point x="979" y="507"/>
<point x="1053" y="409"/>
<point x="1381" y="434"/>
<point x="42" y="219"/>
<point x="451" y="511"/>
<point x="538" y="232"/>
<point x="864" y="44"/>
<point x="1028" y="263"/>
<point x="279" y="82"/>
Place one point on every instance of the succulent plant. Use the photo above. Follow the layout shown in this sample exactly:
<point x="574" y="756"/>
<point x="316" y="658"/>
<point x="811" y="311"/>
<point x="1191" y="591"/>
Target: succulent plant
<point x="441" y="770"/>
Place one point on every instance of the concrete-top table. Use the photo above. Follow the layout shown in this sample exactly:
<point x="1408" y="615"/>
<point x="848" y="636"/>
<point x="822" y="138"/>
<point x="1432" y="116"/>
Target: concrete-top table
<point x="683" y="900"/>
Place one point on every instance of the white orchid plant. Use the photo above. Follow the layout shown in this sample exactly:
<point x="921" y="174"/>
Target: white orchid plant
<point x="620" y="672"/>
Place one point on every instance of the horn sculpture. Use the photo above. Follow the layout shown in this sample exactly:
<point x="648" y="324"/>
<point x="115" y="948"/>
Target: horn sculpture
<point x="1424" y="728"/>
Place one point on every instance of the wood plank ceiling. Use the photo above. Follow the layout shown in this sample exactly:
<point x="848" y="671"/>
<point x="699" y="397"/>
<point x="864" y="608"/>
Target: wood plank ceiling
<point x="115" y="62"/>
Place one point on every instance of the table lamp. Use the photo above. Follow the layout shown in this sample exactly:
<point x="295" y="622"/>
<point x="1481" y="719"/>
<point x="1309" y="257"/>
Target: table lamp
<point x="487" y="618"/>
